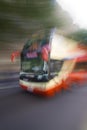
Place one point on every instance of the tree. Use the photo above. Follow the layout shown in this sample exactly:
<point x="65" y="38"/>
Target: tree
<point x="80" y="36"/>
<point x="20" y="18"/>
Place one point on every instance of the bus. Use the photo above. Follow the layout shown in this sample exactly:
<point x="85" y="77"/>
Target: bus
<point x="50" y="63"/>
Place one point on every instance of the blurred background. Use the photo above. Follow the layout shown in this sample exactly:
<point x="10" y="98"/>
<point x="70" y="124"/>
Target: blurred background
<point x="19" y="19"/>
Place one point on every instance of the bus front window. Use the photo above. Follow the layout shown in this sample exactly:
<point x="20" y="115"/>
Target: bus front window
<point x="32" y="62"/>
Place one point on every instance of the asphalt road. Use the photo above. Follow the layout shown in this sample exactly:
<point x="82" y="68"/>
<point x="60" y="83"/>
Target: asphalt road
<point x="20" y="110"/>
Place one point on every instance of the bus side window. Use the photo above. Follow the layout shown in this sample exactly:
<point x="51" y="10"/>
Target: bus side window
<point x="80" y="66"/>
<point x="56" y="65"/>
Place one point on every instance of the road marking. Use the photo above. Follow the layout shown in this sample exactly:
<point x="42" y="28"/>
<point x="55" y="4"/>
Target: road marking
<point x="9" y="87"/>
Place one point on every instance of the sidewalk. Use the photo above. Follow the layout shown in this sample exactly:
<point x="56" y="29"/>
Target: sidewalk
<point x="8" y="70"/>
<point x="9" y="75"/>
<point x="9" y="80"/>
<point x="7" y="66"/>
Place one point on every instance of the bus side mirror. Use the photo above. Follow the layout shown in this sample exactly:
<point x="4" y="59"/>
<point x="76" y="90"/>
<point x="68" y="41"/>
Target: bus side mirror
<point x="44" y="54"/>
<point x="14" y="55"/>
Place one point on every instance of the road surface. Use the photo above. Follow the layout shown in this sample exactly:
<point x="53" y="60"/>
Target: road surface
<point x="20" y="110"/>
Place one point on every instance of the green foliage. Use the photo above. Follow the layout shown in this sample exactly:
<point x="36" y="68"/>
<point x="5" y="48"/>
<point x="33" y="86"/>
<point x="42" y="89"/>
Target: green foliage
<point x="80" y="36"/>
<point x="20" y="18"/>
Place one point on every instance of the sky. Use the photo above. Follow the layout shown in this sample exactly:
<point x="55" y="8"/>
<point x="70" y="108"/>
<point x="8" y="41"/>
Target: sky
<point x="77" y="10"/>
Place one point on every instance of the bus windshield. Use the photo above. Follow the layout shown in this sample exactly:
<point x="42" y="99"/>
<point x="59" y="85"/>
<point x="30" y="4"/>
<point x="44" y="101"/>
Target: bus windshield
<point x="32" y="56"/>
<point x="32" y="63"/>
